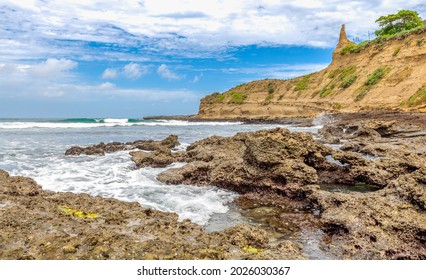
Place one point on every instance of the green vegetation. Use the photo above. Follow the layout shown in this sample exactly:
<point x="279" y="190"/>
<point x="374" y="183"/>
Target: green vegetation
<point x="237" y="98"/>
<point x="271" y="88"/>
<point x="337" y="106"/>
<point x="404" y="20"/>
<point x="326" y="91"/>
<point x="344" y="77"/>
<point x="334" y="73"/>
<point x="215" y="97"/>
<point x="362" y="91"/>
<point x="302" y="83"/>
<point x="376" y="76"/>
<point x="372" y="80"/>
<point x="398" y="26"/>
<point x="348" y="81"/>
<point x="355" y="48"/>
<point x="396" y="52"/>
<point x="418" y="98"/>
<point x="420" y="42"/>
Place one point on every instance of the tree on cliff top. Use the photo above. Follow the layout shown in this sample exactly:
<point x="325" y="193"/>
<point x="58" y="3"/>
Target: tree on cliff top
<point x="392" y="24"/>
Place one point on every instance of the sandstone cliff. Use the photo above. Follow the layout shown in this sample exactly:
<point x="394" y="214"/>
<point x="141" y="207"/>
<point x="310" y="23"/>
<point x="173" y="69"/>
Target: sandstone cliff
<point x="381" y="74"/>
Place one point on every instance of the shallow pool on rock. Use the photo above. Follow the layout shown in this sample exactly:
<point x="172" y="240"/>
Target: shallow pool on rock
<point x="358" y="187"/>
<point x="284" y="219"/>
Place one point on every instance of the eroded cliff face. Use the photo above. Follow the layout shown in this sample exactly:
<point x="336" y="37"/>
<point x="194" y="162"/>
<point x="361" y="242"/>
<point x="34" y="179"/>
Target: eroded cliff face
<point x="384" y="74"/>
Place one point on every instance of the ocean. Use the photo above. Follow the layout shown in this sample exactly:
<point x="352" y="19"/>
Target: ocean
<point x="36" y="147"/>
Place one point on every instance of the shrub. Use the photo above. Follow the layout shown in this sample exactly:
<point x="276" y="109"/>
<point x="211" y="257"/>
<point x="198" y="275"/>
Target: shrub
<point x="302" y="83"/>
<point x="355" y="48"/>
<point x="237" y="98"/>
<point x="392" y="24"/>
<point x="271" y="88"/>
<point x="337" y="106"/>
<point x="349" y="81"/>
<point x="418" y="98"/>
<point x="326" y="91"/>
<point x="376" y="76"/>
<point x="215" y="97"/>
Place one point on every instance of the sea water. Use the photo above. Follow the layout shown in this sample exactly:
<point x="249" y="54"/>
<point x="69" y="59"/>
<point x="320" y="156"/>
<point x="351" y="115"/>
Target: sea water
<point x="35" y="148"/>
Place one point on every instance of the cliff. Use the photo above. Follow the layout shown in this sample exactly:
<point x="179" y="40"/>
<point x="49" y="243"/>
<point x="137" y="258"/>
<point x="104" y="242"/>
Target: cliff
<point x="379" y="74"/>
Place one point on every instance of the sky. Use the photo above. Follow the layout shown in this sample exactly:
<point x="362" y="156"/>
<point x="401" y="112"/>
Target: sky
<point x="129" y="59"/>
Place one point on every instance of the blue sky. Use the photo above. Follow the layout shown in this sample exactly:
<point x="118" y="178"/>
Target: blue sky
<point x="117" y="58"/>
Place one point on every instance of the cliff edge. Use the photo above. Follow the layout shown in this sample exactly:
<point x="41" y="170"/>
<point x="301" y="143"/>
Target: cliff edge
<point x="379" y="74"/>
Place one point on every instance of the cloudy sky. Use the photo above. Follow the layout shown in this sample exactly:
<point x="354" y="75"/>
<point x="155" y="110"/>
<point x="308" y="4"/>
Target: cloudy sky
<point x="118" y="58"/>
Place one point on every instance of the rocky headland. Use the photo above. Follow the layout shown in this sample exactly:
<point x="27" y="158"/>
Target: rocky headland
<point x="385" y="73"/>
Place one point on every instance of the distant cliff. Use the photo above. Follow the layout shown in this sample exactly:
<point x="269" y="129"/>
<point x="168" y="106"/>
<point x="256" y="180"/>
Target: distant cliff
<point x="381" y="74"/>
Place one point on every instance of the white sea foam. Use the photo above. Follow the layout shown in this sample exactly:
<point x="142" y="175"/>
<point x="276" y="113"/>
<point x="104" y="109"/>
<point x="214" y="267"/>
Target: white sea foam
<point x="111" y="176"/>
<point x="108" y="123"/>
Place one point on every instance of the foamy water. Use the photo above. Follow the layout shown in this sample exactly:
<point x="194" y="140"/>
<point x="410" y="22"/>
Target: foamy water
<point x="36" y="149"/>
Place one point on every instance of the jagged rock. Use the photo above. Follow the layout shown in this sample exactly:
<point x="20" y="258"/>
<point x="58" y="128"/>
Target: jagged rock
<point x="372" y="226"/>
<point x="275" y="159"/>
<point x="161" y="157"/>
<point x="35" y="227"/>
<point x="102" y="148"/>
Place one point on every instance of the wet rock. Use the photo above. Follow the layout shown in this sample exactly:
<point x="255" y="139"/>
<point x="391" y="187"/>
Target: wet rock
<point x="161" y="157"/>
<point x="371" y="226"/>
<point x="102" y="148"/>
<point x="35" y="227"/>
<point x="276" y="159"/>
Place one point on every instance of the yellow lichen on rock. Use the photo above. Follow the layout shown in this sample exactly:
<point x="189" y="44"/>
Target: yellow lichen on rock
<point x="250" y="249"/>
<point x="78" y="213"/>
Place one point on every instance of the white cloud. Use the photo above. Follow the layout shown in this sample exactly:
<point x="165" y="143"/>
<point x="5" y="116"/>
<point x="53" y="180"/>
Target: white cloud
<point x="197" y="78"/>
<point x="134" y="71"/>
<point x="187" y="28"/>
<point x="17" y="81"/>
<point x="164" y="71"/>
<point x="52" y="68"/>
<point x="110" y="73"/>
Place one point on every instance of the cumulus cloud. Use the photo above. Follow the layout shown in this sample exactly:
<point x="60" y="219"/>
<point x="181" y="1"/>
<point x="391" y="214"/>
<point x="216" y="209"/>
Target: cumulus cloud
<point x="164" y="71"/>
<point x="134" y="71"/>
<point x="131" y="71"/>
<point x="110" y="73"/>
<point x="132" y="30"/>
<point x="52" y="68"/>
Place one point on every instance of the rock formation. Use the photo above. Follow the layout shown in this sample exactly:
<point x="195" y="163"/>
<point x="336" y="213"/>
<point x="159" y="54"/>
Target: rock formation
<point x="38" y="224"/>
<point x="389" y="223"/>
<point x="381" y="74"/>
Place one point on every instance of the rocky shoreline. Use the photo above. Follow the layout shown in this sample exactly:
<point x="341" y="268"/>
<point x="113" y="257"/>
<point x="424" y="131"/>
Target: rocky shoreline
<point x="281" y="177"/>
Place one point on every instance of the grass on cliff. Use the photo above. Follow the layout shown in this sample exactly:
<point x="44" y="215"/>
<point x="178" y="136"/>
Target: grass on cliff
<point x="341" y="77"/>
<point x="355" y="48"/>
<point x="215" y="97"/>
<point x="419" y="98"/>
<point x="376" y="76"/>
<point x="270" y="95"/>
<point x="302" y="83"/>
<point x="237" y="98"/>
<point x="372" y="80"/>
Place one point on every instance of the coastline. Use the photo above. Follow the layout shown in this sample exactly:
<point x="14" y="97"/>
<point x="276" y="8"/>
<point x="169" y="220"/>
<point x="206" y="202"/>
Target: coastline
<point x="381" y="148"/>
